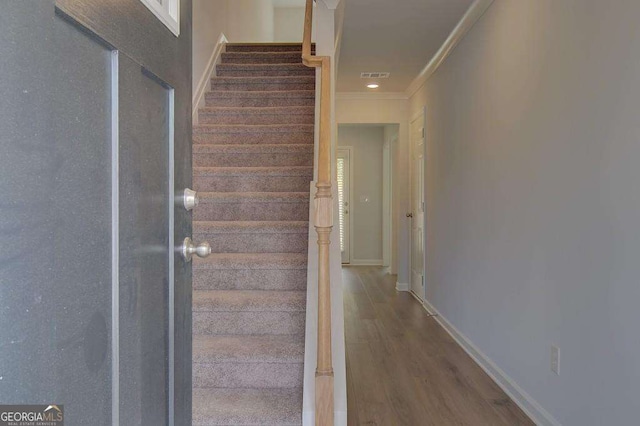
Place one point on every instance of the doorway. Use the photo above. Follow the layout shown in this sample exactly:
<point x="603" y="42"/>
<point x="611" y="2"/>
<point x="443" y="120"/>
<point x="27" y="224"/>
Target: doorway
<point x="364" y="170"/>
<point x="417" y="144"/>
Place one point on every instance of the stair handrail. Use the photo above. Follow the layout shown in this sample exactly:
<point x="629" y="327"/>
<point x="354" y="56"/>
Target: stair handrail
<point x="323" y="221"/>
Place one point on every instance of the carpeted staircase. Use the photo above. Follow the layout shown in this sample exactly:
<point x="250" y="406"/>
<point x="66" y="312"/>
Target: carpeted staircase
<point x="253" y="162"/>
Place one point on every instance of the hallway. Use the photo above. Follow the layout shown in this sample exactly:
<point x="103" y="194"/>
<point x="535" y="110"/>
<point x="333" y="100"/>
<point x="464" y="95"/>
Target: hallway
<point x="404" y="369"/>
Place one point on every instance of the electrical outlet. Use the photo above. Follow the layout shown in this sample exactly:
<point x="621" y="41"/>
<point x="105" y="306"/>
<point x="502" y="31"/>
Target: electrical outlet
<point x="555" y="359"/>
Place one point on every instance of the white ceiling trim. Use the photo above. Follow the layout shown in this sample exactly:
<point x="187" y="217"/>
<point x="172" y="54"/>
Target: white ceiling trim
<point x="371" y="95"/>
<point x="471" y="16"/>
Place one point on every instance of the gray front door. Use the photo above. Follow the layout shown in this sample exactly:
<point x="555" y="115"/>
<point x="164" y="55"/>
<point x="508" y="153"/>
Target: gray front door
<point x="95" y="299"/>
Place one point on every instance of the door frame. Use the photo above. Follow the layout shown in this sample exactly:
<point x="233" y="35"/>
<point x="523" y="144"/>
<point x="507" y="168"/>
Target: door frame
<point x="349" y="234"/>
<point x="422" y="111"/>
<point x="387" y="200"/>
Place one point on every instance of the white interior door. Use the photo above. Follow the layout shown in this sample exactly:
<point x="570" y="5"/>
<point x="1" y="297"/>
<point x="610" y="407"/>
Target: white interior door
<point x="417" y="205"/>
<point x="344" y="170"/>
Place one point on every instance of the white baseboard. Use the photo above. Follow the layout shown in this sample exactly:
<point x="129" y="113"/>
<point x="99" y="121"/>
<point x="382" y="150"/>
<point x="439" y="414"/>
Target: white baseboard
<point x="309" y="418"/>
<point x="366" y="262"/>
<point x="403" y="286"/>
<point x="531" y="407"/>
<point x="204" y="84"/>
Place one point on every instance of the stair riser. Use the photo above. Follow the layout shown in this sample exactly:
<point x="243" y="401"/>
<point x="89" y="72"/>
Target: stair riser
<point x="271" y="72"/>
<point x="247" y="375"/>
<point x="250" y="279"/>
<point x="234" y="58"/>
<point x="261" y="87"/>
<point x="211" y="100"/>
<point x="248" y="323"/>
<point x="252" y="159"/>
<point x="248" y="210"/>
<point x="252" y="183"/>
<point x="217" y="118"/>
<point x="291" y="138"/>
<point x="254" y="243"/>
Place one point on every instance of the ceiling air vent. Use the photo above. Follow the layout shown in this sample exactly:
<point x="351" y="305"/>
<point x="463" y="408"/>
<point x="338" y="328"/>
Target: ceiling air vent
<point x="374" y="75"/>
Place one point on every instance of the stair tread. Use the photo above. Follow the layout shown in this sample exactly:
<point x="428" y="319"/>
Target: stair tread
<point x="296" y="110"/>
<point x="252" y="261"/>
<point x="252" y="227"/>
<point x="260" y="44"/>
<point x="266" y="79"/>
<point x="279" y="348"/>
<point x="265" y="66"/>
<point x="249" y="301"/>
<point x="254" y="171"/>
<point x="253" y="128"/>
<point x="266" y="53"/>
<point x="255" y="196"/>
<point x="247" y="407"/>
<point x="251" y="148"/>
<point x="266" y="93"/>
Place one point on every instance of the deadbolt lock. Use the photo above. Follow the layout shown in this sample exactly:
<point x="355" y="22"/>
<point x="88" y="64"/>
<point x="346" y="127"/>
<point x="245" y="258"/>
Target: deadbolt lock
<point x="190" y="199"/>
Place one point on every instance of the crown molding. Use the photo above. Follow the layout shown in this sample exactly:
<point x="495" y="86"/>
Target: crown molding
<point x="371" y="95"/>
<point x="471" y="16"/>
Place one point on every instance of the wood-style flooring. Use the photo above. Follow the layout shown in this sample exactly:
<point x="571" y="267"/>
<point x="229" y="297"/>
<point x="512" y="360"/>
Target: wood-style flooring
<point x="404" y="369"/>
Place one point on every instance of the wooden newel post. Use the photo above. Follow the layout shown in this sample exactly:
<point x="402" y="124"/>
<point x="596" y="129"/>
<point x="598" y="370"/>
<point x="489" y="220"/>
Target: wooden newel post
<point x="324" y="369"/>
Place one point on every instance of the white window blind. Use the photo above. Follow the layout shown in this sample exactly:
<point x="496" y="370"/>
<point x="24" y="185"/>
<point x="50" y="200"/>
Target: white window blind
<point x="341" y="201"/>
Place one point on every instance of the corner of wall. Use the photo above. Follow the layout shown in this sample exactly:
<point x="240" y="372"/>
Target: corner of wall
<point x="204" y="82"/>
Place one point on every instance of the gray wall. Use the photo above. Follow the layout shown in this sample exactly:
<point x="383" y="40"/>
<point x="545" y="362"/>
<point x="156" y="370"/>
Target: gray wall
<point x="533" y="200"/>
<point x="366" y="216"/>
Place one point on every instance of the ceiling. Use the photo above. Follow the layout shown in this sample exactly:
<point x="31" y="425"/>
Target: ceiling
<point x="396" y="36"/>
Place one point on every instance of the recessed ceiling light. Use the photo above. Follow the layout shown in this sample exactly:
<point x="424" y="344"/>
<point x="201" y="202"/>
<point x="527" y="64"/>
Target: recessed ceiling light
<point x="373" y="85"/>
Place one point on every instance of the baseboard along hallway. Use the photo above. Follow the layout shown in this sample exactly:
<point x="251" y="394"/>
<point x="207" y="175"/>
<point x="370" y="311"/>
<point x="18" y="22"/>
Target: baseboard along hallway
<point x="403" y="368"/>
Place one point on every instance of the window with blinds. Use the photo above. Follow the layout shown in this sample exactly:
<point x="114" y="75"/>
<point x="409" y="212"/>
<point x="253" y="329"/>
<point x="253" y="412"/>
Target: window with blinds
<point x="341" y="218"/>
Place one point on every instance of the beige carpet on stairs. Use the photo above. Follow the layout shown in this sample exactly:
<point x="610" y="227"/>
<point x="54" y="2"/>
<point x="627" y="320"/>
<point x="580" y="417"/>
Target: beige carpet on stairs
<point x="253" y="162"/>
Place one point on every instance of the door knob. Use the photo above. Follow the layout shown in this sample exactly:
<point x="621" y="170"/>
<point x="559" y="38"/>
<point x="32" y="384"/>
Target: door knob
<point x="409" y="214"/>
<point x="189" y="249"/>
<point x="190" y="199"/>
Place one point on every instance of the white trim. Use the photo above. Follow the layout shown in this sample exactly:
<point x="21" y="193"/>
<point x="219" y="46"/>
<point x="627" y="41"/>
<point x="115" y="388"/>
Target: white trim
<point x="172" y="265"/>
<point x="531" y="407"/>
<point x="337" y="48"/>
<point x="169" y="15"/>
<point x="204" y="84"/>
<point x="371" y="95"/>
<point x="309" y="417"/>
<point x="387" y="201"/>
<point x="365" y="262"/>
<point x="115" y="238"/>
<point x="402" y="286"/>
<point x="471" y="16"/>
<point x="419" y="114"/>
<point x="422" y="111"/>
